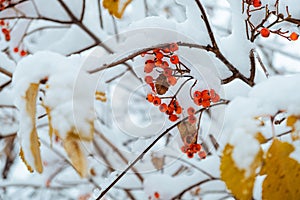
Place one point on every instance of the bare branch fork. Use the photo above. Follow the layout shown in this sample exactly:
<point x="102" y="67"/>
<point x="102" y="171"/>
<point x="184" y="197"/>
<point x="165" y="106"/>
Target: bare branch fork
<point x="149" y="147"/>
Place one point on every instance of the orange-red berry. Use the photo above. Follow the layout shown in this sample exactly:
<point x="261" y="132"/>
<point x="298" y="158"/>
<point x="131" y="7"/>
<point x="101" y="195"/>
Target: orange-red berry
<point x="197" y="94"/>
<point x="190" y="154"/>
<point x="265" y="32"/>
<point x="23" y="53"/>
<point x="205" y="95"/>
<point x="168" y="72"/>
<point x="158" y="63"/>
<point x="294" y="36"/>
<point x="150" y="97"/>
<point x="159" y="55"/>
<point x="216" y="98"/>
<point x="172" y="80"/>
<point x="163" y="107"/>
<point x="149" y="65"/>
<point x="173" y="118"/>
<point x="257" y="3"/>
<point x="202" y="154"/>
<point x="206" y="103"/>
<point x="166" y="50"/>
<point x="198" y="147"/>
<point x="192" y="119"/>
<point x="156" y="101"/>
<point x="170" y="110"/>
<point x="164" y="65"/>
<point x="173" y="47"/>
<point x="148" y="79"/>
<point x="174" y="59"/>
<point x="156" y="195"/>
<point x="16" y="49"/>
<point x="197" y="101"/>
<point x="191" y="111"/>
<point x="178" y="110"/>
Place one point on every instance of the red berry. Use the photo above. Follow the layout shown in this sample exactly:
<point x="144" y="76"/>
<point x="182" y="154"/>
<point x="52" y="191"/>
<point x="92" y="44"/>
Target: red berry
<point x="156" y="101"/>
<point x="16" y="49"/>
<point x="163" y="107"/>
<point x="2" y="22"/>
<point x="148" y="79"/>
<point x="5" y="31"/>
<point x="166" y="50"/>
<point x="23" y="53"/>
<point x="173" y="118"/>
<point x="202" y="154"/>
<point x="168" y="72"/>
<point x="197" y="101"/>
<point x="149" y="65"/>
<point x="206" y="103"/>
<point x="156" y="195"/>
<point x="205" y="95"/>
<point x="170" y="110"/>
<point x="172" y="80"/>
<point x="190" y="154"/>
<point x="173" y="47"/>
<point x="192" y="119"/>
<point x="150" y="97"/>
<point x="294" y="36"/>
<point x="178" y="110"/>
<point x="256" y="3"/>
<point x="216" y="98"/>
<point x="7" y="37"/>
<point x="158" y="63"/>
<point x="198" y="147"/>
<point x="174" y="59"/>
<point x="164" y="65"/>
<point x="184" y="149"/>
<point x="265" y="32"/>
<point x="197" y="94"/>
<point x="191" y="111"/>
<point x="159" y="55"/>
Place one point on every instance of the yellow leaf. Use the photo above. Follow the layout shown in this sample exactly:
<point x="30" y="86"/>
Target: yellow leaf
<point x="260" y="138"/>
<point x="291" y="120"/>
<point x="30" y="97"/>
<point x="100" y="96"/>
<point x="116" y="7"/>
<point x="235" y="179"/>
<point x="283" y="173"/>
<point x="51" y="131"/>
<point x="74" y="150"/>
<point x="25" y="162"/>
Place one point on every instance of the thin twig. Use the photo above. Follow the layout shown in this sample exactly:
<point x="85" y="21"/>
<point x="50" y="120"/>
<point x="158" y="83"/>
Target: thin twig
<point x="148" y="148"/>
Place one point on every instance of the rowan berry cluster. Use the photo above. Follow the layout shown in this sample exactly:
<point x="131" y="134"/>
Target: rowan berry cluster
<point x="271" y="18"/>
<point x="168" y="69"/>
<point x="205" y="97"/>
<point x="5" y="29"/>
<point x="265" y="32"/>
<point x="22" y="52"/>
<point x="192" y="149"/>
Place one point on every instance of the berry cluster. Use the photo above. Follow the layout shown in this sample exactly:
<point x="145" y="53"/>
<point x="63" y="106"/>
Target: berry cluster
<point x="265" y="32"/>
<point x="172" y="109"/>
<point x="5" y="29"/>
<point x="168" y="67"/>
<point x="205" y="97"/>
<point x="21" y="52"/>
<point x="272" y="16"/>
<point x="191" y="149"/>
